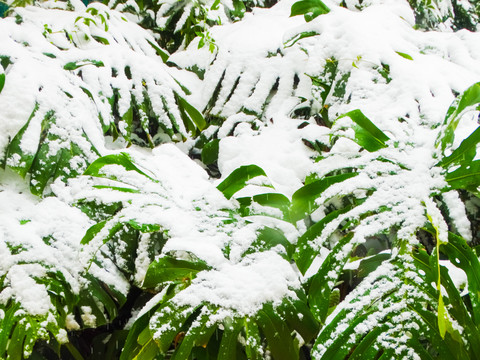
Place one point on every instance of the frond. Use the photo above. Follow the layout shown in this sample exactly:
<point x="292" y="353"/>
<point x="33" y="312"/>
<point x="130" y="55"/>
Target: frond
<point x="194" y="284"/>
<point x="45" y="295"/>
<point x="382" y="199"/>
<point x="176" y="23"/>
<point x="83" y="91"/>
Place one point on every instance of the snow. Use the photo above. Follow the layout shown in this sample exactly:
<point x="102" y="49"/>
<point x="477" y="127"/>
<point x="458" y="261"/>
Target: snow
<point x="258" y="278"/>
<point x="264" y="72"/>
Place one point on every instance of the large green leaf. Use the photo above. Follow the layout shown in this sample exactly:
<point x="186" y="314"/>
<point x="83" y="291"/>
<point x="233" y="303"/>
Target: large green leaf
<point x="303" y="200"/>
<point x="168" y="268"/>
<point x="305" y="251"/>
<point x="191" y="112"/>
<point x="470" y="98"/>
<point x="463" y="257"/>
<point x="279" y="338"/>
<point x="170" y="320"/>
<point x="197" y="335"/>
<point x="309" y="8"/>
<point x="122" y="159"/>
<point x="367" y="134"/>
<point x="323" y="282"/>
<point x="467" y="177"/>
<point x="229" y="342"/>
<point x="20" y="160"/>
<point x="298" y="316"/>
<point x="465" y="153"/>
<point x="267" y="239"/>
<point x="237" y="180"/>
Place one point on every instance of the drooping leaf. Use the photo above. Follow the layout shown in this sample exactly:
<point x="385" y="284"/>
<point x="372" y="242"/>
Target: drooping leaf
<point x="465" y="153"/>
<point x="463" y="257"/>
<point x="469" y="99"/>
<point x="210" y="152"/>
<point x="305" y="253"/>
<point x="229" y="342"/>
<point x="122" y="159"/>
<point x="367" y="134"/>
<point x="193" y="114"/>
<point x="467" y="177"/>
<point x="238" y="179"/>
<point x="168" y="268"/>
<point x="277" y="334"/>
<point x="303" y="200"/>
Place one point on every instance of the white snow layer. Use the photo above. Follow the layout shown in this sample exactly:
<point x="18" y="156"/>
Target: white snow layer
<point x="426" y="69"/>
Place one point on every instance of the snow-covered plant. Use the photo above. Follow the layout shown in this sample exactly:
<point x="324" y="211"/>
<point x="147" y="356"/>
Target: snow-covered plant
<point x="219" y="282"/>
<point x="394" y="204"/>
<point x="294" y="190"/>
<point x="456" y="14"/>
<point x="176" y="23"/>
<point x="79" y="78"/>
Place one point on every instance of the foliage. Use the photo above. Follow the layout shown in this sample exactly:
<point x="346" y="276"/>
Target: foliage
<point x="118" y="244"/>
<point x="177" y="23"/>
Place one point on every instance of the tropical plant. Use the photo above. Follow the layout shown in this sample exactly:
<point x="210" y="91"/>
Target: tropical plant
<point x="177" y="23"/>
<point x="393" y="207"/>
<point x="297" y="189"/>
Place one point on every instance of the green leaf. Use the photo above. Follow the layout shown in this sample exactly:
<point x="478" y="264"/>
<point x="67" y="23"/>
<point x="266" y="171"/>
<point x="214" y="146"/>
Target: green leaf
<point x="17" y="159"/>
<point x="194" y="115"/>
<point x="100" y="39"/>
<point x="237" y="180"/>
<point x="298" y="316"/>
<point x="305" y="253"/>
<point x="303" y="200"/>
<point x="443" y="321"/>
<point x="309" y="8"/>
<point x="253" y="340"/>
<point x="406" y="56"/>
<point x="267" y="239"/>
<point x="274" y="200"/>
<point x="132" y="345"/>
<point x="3" y="9"/>
<point x="160" y="52"/>
<point x="210" y="152"/>
<point x="6" y="325"/>
<point x="367" y="343"/>
<point x="463" y="257"/>
<point x="290" y="42"/>
<point x="228" y="344"/>
<point x="2" y="81"/>
<point x="467" y="177"/>
<point x="198" y="335"/>
<point x="92" y="232"/>
<point x="170" y="319"/>
<point x="122" y="159"/>
<point x="75" y="65"/>
<point x="465" y="153"/>
<point x="470" y="98"/>
<point x="372" y="263"/>
<point x="168" y="268"/>
<point x="341" y="345"/>
<point x="118" y="188"/>
<point x="279" y="339"/>
<point x="148" y="351"/>
<point x="367" y="134"/>
<point x="322" y="283"/>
